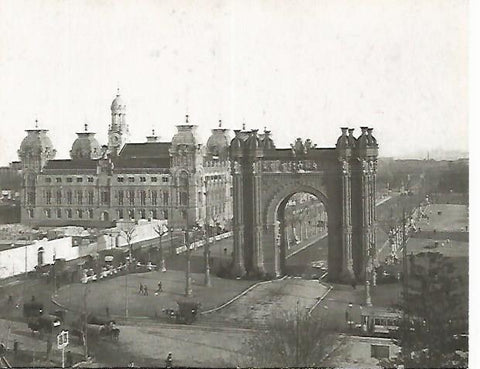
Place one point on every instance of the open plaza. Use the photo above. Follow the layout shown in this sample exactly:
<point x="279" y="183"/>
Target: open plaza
<point x="232" y="310"/>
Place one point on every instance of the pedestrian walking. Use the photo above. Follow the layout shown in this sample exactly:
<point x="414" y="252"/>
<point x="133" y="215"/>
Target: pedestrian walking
<point x="141" y="290"/>
<point x="354" y="284"/>
<point x="169" y="361"/>
<point x="159" y="288"/>
<point x="145" y="290"/>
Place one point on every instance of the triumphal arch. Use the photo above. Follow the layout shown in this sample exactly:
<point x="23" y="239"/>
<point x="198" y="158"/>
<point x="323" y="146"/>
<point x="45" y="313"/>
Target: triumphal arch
<point x="264" y="179"/>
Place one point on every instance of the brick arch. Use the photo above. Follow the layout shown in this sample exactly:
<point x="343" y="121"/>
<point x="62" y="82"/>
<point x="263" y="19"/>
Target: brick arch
<point x="271" y="207"/>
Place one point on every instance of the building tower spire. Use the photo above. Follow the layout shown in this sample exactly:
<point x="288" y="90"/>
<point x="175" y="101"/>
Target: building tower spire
<point x="118" y="130"/>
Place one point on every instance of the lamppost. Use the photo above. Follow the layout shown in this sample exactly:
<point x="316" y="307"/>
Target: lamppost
<point x="188" y="281"/>
<point x="368" y="271"/>
<point x="161" y="230"/>
<point x="206" y="248"/>
<point x="348" y="315"/>
<point x="172" y="247"/>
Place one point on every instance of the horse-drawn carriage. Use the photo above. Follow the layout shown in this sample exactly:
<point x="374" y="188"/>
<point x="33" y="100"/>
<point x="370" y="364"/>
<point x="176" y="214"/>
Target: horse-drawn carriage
<point x="97" y="328"/>
<point x="38" y="321"/>
<point x="185" y="314"/>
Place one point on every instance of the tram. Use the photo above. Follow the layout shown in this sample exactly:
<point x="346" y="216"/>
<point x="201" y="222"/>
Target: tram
<point x="379" y="322"/>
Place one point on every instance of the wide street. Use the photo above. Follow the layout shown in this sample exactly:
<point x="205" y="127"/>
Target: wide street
<point x="218" y="338"/>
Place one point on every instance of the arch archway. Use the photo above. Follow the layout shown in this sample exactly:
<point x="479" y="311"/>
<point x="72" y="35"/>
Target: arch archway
<point x="264" y="178"/>
<point x="294" y="224"/>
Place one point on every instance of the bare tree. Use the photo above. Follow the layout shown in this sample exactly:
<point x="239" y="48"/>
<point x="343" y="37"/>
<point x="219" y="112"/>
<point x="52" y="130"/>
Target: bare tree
<point x="292" y="340"/>
<point x="161" y="229"/>
<point x="129" y="235"/>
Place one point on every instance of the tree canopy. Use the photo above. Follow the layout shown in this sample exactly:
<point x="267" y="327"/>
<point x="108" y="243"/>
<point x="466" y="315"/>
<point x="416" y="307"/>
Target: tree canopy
<point x="291" y="340"/>
<point x="433" y="331"/>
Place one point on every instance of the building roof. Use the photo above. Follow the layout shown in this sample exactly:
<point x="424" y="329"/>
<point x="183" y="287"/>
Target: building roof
<point x="153" y="150"/>
<point x="86" y="164"/>
<point x="121" y="164"/>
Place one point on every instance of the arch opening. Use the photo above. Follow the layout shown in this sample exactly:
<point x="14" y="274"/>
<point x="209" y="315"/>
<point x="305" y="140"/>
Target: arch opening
<point x="299" y="245"/>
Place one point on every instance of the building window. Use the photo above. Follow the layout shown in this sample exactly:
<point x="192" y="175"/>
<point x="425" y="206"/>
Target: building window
<point x="48" y="213"/>
<point x="142" y="213"/>
<point x="90" y="213"/>
<point x="58" y="180"/>
<point x="120" y="179"/>
<point x="59" y="197"/>
<point x="104" y="197"/>
<point x="183" y="198"/>
<point x="120" y="197"/>
<point x="165" y="179"/>
<point x="165" y="214"/>
<point x="31" y="198"/>
<point x="49" y="197"/>
<point x="154" y="213"/>
<point x="90" y="179"/>
<point x="165" y="198"/>
<point x="90" y="197"/>
<point x="154" y="197"/>
<point x="69" y="179"/>
<point x="79" y="179"/>
<point x="69" y="213"/>
<point x="143" y="197"/>
<point x="69" y="197"/>
<point x="143" y="179"/>
<point x="79" y="197"/>
<point x="153" y="179"/>
<point x="48" y="180"/>
<point x="120" y="213"/>
<point x="59" y="213"/>
<point x="131" y="197"/>
<point x="80" y="213"/>
<point x="30" y="213"/>
<point x="131" y="214"/>
<point x="131" y="179"/>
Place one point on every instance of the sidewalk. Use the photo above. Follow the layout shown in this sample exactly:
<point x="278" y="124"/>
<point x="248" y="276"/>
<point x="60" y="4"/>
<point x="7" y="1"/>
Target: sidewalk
<point x="120" y="293"/>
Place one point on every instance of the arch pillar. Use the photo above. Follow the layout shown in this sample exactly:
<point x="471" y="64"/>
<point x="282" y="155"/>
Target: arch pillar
<point x="238" y="221"/>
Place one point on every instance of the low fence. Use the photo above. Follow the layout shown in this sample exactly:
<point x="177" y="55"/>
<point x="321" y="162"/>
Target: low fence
<point x="198" y="244"/>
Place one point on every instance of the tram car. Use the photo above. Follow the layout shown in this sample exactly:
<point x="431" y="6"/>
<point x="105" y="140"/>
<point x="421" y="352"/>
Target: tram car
<point x="379" y="322"/>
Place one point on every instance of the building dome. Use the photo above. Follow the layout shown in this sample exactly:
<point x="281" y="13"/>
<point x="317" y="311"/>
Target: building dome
<point x="218" y="142"/>
<point x="118" y="104"/>
<point x="36" y="144"/>
<point x="267" y="141"/>
<point x="253" y="142"/>
<point x="343" y="141"/>
<point x="85" y="146"/>
<point x="186" y="135"/>
<point x="362" y="141"/>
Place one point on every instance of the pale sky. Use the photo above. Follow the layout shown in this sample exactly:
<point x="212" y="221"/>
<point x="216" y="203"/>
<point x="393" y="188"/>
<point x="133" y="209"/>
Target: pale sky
<point x="301" y="68"/>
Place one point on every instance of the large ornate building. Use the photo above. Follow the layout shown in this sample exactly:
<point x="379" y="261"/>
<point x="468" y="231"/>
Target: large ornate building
<point x="183" y="180"/>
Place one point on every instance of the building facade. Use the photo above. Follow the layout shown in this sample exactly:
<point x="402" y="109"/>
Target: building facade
<point x="183" y="181"/>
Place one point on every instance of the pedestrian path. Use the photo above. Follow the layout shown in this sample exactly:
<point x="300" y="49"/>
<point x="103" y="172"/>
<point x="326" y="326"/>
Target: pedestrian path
<point x="271" y="300"/>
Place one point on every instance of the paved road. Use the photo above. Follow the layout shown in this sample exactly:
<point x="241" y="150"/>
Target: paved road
<point x="216" y="339"/>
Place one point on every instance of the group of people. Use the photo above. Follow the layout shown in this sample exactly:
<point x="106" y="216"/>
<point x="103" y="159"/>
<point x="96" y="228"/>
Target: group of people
<point x="143" y="290"/>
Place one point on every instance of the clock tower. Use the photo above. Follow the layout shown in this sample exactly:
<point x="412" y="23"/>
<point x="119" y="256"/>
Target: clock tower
<point x="118" y="129"/>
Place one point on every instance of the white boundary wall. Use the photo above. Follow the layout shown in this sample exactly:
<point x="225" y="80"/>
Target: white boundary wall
<point x="13" y="261"/>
